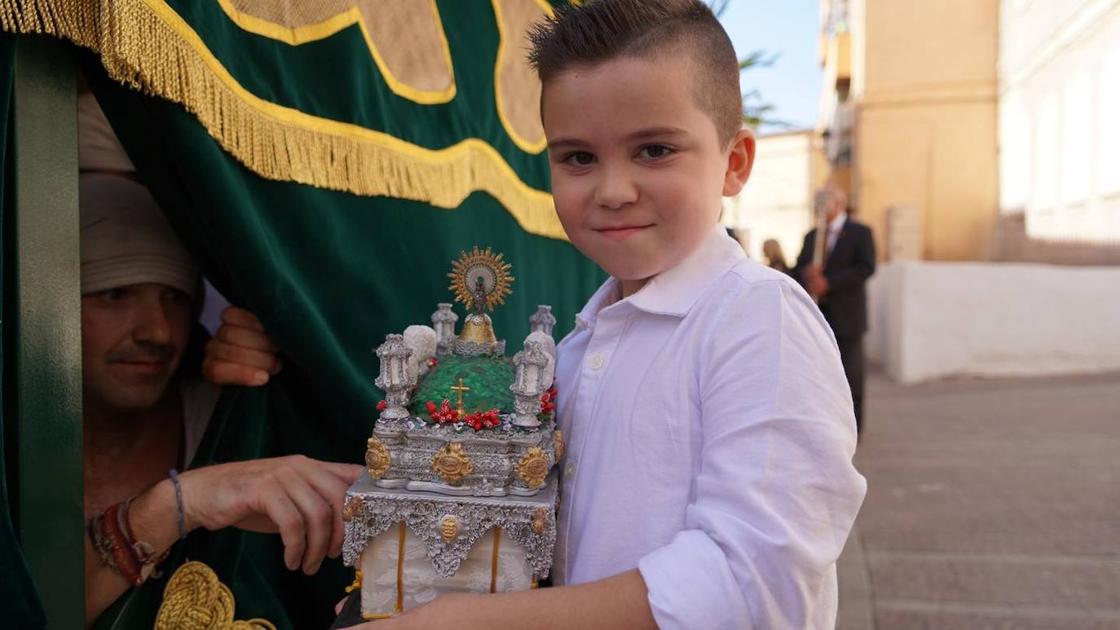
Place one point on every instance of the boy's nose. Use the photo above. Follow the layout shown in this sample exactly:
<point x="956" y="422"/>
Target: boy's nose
<point x="616" y="189"/>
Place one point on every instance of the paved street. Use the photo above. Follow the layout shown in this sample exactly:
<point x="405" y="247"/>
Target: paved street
<point x="991" y="504"/>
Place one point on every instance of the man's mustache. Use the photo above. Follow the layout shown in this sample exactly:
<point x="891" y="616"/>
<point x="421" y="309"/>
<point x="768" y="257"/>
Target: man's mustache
<point x="133" y="352"/>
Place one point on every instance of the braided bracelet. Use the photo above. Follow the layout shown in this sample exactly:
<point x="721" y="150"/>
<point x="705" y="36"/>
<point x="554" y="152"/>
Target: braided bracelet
<point x="111" y="536"/>
<point x="180" y="516"/>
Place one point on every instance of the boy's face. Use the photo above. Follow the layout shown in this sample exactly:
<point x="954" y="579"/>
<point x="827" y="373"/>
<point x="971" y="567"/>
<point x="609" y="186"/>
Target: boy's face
<point x="638" y="172"/>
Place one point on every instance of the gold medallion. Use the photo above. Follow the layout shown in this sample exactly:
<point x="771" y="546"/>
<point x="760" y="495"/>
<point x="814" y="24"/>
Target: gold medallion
<point x="533" y="468"/>
<point x="449" y="528"/>
<point x="451" y="463"/>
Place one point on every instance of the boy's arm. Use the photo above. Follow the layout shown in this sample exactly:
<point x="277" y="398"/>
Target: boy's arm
<point x="615" y="602"/>
<point x="775" y="491"/>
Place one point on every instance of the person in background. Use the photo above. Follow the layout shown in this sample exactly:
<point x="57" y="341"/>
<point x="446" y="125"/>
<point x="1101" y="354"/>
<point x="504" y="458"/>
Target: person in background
<point x="839" y="285"/>
<point x="775" y="259"/>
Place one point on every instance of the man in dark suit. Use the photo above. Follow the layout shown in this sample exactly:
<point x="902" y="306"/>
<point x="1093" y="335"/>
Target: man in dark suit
<point x="838" y="285"/>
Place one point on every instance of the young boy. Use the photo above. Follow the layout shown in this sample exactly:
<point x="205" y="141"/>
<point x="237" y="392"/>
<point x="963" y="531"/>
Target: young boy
<point x="708" y="481"/>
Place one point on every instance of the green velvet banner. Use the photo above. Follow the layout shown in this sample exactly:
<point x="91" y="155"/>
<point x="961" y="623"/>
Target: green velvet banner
<point x="19" y="603"/>
<point x="330" y="272"/>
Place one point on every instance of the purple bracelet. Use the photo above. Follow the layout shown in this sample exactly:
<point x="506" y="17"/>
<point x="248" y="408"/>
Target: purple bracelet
<point x="180" y="518"/>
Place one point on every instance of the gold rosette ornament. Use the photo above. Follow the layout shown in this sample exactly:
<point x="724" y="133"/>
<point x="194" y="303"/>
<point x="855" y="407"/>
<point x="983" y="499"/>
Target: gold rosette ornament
<point x="377" y="458"/>
<point x="533" y="468"/>
<point x="352" y="508"/>
<point x="452" y="464"/>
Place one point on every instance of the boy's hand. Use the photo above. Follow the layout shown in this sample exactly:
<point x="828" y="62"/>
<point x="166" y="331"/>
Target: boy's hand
<point x="447" y="610"/>
<point x="241" y="352"/>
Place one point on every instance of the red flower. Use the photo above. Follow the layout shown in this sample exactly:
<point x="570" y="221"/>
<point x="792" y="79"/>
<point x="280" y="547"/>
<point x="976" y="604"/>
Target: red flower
<point x="443" y="414"/>
<point x="548" y="400"/>
<point x="432" y="362"/>
<point x="483" y="420"/>
<point x="382" y="405"/>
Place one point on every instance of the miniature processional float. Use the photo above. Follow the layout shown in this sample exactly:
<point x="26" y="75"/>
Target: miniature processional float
<point x="460" y="494"/>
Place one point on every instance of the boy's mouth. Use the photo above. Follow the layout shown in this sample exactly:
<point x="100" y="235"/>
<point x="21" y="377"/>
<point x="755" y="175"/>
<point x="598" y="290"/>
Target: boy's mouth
<point x="622" y="232"/>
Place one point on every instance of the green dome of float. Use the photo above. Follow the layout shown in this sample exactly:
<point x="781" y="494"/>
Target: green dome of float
<point x="486" y="379"/>
<point x="463" y="379"/>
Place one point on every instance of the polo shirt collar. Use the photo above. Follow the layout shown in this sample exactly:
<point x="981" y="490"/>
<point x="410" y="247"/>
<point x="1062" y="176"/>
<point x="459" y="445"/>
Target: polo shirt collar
<point x="674" y="291"/>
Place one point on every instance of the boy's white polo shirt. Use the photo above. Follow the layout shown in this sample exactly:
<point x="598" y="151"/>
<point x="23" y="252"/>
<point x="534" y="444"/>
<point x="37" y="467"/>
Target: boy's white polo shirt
<point x="710" y="435"/>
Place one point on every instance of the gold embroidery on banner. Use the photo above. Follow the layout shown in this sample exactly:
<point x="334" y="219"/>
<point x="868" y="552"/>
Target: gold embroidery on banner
<point x="414" y="57"/>
<point x="146" y="45"/>
<point x="517" y="89"/>
<point x="196" y="598"/>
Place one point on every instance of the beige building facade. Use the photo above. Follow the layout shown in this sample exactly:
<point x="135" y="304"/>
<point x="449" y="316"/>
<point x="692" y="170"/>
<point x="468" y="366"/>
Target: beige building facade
<point x="909" y="110"/>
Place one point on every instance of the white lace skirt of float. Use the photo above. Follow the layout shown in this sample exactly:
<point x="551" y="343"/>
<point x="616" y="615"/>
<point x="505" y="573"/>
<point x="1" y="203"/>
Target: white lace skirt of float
<point x="390" y="586"/>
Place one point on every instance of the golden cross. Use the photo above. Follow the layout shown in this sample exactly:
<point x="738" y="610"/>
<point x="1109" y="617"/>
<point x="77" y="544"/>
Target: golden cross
<point x="460" y="389"/>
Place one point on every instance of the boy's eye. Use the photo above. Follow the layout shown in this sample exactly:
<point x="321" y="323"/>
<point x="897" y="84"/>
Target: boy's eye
<point x="655" y="151"/>
<point x="579" y="158"/>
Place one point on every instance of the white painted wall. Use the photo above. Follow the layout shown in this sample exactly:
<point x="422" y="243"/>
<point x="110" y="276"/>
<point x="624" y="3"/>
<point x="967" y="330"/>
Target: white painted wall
<point x="1059" y="75"/>
<point x="778" y="200"/>
<point x="932" y="320"/>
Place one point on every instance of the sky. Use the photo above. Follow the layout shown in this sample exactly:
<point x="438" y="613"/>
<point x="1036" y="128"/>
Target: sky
<point x="789" y="28"/>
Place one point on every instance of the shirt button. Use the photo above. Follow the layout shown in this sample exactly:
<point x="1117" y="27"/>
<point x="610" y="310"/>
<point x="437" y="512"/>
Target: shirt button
<point x="596" y="361"/>
<point x="570" y="469"/>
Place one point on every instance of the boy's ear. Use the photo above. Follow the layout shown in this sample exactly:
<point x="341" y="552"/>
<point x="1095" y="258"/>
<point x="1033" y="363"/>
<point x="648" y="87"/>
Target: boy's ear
<point x="739" y="162"/>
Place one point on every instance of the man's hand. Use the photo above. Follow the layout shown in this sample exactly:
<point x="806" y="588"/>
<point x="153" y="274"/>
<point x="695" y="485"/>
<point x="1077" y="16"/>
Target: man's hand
<point x="298" y="497"/>
<point x="241" y="352"/>
<point x="815" y="281"/>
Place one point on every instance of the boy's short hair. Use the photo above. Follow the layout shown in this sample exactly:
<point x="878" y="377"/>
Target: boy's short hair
<point x="601" y="30"/>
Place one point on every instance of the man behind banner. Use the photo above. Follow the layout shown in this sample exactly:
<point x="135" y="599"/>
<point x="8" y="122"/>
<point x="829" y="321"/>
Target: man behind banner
<point x="144" y="410"/>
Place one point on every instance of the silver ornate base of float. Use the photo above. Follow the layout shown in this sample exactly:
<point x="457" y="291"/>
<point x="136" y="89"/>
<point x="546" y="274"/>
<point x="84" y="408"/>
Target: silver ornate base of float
<point x="441" y="459"/>
<point x="412" y="546"/>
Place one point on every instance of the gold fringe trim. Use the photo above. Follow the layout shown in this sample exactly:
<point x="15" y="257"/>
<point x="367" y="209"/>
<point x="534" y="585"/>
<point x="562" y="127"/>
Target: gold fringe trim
<point x="148" y="46"/>
<point x="195" y="599"/>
